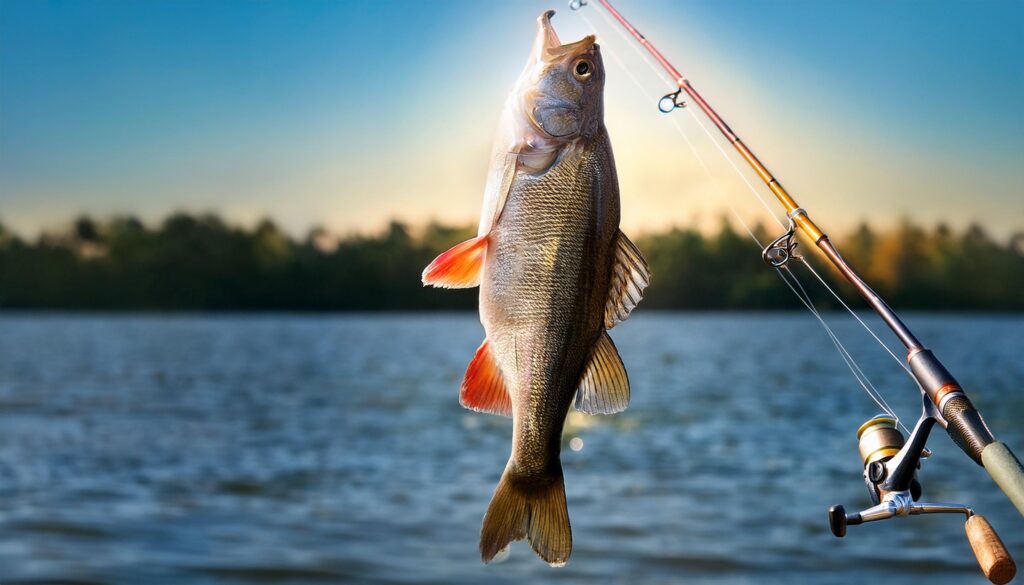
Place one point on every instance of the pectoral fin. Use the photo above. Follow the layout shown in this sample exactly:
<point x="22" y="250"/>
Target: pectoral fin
<point x="604" y="388"/>
<point x="459" y="267"/>
<point x="483" y="388"/>
<point x="630" y="276"/>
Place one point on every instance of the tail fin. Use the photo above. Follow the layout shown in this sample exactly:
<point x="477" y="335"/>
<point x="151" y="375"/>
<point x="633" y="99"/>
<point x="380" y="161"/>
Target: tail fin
<point x="528" y="507"/>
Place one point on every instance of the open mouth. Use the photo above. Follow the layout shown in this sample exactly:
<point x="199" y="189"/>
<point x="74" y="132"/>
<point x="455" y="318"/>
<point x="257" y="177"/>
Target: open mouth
<point x="550" y="47"/>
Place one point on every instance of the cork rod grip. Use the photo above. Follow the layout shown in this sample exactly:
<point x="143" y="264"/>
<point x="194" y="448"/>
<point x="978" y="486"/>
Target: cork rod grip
<point x="994" y="559"/>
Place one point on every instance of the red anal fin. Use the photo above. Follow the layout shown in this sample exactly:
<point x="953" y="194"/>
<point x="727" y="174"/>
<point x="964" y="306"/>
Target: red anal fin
<point x="483" y="388"/>
<point x="459" y="267"/>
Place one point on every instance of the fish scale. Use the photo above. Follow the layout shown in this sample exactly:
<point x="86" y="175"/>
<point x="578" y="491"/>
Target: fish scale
<point x="549" y="279"/>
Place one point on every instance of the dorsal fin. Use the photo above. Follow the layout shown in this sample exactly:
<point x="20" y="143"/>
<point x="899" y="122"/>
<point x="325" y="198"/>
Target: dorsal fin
<point x="483" y="388"/>
<point x="630" y="276"/>
<point x="604" y="387"/>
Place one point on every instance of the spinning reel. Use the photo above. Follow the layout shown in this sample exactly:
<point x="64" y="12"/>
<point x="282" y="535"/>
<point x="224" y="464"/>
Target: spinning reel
<point x="890" y="474"/>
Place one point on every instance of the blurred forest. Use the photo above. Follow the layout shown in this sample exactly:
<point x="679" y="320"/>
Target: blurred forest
<point x="199" y="262"/>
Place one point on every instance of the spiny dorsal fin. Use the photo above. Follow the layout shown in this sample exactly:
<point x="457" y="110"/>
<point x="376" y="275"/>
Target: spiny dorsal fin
<point x="483" y="388"/>
<point x="604" y="388"/>
<point x="630" y="276"/>
<point x="458" y="267"/>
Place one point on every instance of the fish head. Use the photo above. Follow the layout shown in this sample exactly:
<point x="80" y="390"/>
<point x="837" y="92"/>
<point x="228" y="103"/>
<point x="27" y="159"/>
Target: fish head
<point x="563" y="85"/>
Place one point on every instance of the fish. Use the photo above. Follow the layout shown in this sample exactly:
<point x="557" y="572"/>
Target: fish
<point x="555" y="273"/>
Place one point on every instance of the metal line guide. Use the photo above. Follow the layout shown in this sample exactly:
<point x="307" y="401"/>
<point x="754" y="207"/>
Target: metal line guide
<point x="782" y="249"/>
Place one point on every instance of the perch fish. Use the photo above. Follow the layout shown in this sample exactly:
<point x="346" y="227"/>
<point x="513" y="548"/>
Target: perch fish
<point x="555" y="273"/>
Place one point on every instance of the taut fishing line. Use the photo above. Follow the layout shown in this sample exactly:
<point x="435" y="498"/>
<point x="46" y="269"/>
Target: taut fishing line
<point x="789" y="277"/>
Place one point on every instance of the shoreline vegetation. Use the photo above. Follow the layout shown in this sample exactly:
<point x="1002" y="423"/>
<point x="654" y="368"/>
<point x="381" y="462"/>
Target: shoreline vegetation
<point x="199" y="262"/>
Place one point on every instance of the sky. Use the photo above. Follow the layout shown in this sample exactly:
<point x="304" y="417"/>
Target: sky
<point x="350" y="114"/>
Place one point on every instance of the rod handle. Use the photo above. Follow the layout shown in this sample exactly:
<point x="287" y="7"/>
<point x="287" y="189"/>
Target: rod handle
<point x="994" y="559"/>
<point x="1006" y="470"/>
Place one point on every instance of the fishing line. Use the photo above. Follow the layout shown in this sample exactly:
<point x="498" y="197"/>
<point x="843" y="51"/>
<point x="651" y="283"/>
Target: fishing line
<point x="675" y="122"/>
<point x="661" y="75"/>
<point x="851" y="363"/>
<point x="801" y="294"/>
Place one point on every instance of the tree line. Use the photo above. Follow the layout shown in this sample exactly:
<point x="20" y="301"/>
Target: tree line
<point x="200" y="262"/>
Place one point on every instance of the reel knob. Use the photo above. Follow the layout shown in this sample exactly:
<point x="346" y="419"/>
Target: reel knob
<point x="837" y="520"/>
<point x="993" y="558"/>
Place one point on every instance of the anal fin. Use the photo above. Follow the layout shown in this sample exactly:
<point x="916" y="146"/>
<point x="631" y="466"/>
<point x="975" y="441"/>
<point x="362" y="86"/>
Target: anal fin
<point x="604" y="387"/>
<point x="483" y="389"/>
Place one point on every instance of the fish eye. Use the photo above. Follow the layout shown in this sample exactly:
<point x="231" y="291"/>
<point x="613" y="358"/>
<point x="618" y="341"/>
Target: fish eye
<point x="583" y="69"/>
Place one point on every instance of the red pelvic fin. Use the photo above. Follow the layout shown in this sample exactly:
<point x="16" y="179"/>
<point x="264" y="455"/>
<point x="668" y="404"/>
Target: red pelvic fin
<point x="483" y="388"/>
<point x="459" y="267"/>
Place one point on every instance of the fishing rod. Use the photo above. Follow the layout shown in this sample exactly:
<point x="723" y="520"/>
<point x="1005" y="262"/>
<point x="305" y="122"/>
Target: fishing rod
<point x="890" y="462"/>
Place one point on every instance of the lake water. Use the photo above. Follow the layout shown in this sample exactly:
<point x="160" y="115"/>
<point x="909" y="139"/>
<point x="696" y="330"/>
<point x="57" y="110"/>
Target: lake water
<point x="332" y="449"/>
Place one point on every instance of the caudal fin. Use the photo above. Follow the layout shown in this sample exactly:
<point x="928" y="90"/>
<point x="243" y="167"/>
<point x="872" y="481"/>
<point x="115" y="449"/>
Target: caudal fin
<point x="528" y="507"/>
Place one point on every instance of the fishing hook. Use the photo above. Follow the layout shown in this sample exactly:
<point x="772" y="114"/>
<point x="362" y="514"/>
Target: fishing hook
<point x="671" y="101"/>
<point x="782" y="249"/>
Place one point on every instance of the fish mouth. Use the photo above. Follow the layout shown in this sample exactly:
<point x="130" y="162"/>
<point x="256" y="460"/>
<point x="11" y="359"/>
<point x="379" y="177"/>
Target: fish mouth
<point x="553" y="118"/>
<point x="549" y="47"/>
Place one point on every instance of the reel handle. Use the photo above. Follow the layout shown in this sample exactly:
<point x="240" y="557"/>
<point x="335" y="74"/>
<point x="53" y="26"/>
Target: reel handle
<point x="993" y="558"/>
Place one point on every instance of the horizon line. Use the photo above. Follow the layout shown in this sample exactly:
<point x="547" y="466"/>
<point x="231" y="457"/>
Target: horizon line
<point x="691" y="224"/>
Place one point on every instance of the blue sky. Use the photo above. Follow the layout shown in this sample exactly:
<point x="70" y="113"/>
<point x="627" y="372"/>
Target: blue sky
<point x="350" y="114"/>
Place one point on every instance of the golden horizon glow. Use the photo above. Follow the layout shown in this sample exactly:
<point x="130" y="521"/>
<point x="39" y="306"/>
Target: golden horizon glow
<point x="344" y="140"/>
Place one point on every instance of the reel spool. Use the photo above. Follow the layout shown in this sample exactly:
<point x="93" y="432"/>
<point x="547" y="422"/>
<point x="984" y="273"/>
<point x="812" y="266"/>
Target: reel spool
<point x="878" y="441"/>
<point x="890" y="474"/>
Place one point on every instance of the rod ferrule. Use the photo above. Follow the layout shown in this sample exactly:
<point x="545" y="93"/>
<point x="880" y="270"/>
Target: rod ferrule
<point x="933" y="377"/>
<point x="808" y="227"/>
